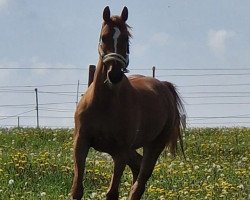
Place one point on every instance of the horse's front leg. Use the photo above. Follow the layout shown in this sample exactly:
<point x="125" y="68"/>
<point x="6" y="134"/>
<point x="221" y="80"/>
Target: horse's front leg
<point x="150" y="156"/>
<point x="81" y="148"/>
<point x="119" y="166"/>
<point x="134" y="162"/>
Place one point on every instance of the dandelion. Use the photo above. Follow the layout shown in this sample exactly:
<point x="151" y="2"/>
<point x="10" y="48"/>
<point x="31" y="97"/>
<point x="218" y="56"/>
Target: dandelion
<point x="241" y="186"/>
<point x="46" y="153"/>
<point x="162" y="197"/>
<point x="11" y="181"/>
<point x="169" y="154"/>
<point x="42" y="194"/>
<point x="244" y="159"/>
<point x="224" y="191"/>
<point x="93" y="195"/>
<point x="172" y="164"/>
<point x="196" y="167"/>
<point x="127" y="184"/>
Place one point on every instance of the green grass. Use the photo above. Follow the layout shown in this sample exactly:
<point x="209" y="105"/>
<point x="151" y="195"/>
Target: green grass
<point x="37" y="164"/>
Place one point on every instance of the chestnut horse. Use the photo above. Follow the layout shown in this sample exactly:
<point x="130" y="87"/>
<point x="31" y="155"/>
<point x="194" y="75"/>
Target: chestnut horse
<point x="119" y="114"/>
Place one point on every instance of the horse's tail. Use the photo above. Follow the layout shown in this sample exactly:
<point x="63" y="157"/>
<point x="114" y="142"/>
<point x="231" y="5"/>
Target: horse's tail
<point x="179" y="122"/>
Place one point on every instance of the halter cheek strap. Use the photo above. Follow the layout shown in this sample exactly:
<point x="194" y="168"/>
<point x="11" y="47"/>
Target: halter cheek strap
<point x="114" y="57"/>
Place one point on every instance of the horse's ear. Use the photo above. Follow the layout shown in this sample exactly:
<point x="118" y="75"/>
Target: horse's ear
<point x="106" y="14"/>
<point x="124" y="14"/>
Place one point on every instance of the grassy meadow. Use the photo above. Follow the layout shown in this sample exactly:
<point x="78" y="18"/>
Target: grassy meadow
<point x="37" y="164"/>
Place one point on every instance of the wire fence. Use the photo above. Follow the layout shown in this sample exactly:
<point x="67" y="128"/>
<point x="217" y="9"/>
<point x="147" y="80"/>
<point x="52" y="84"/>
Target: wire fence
<point x="203" y="101"/>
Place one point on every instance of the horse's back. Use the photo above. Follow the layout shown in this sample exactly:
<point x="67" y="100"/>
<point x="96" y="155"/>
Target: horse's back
<point x="140" y="82"/>
<point x="155" y="87"/>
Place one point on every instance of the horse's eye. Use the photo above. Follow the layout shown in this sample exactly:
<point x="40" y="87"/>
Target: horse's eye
<point x="105" y="39"/>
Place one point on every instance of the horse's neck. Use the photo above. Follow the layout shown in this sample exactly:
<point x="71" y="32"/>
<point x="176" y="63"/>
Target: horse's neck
<point x="101" y="92"/>
<point x="99" y="76"/>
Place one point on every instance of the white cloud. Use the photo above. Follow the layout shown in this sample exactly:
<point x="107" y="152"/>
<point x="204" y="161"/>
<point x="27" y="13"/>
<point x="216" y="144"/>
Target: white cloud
<point x="217" y="40"/>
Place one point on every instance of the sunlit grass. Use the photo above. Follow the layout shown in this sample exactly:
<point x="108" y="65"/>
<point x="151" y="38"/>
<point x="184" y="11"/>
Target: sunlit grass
<point x="37" y="164"/>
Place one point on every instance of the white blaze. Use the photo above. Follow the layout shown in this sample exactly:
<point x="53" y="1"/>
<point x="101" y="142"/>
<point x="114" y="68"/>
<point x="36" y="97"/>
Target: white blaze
<point x="115" y="37"/>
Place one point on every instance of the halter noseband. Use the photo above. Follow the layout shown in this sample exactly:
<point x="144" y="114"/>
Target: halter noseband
<point x="114" y="57"/>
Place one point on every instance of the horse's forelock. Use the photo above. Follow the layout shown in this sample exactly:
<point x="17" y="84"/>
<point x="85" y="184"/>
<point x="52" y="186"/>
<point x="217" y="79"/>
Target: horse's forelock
<point x="117" y="21"/>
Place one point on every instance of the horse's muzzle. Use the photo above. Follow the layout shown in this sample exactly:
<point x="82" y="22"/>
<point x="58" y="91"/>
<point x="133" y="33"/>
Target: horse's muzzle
<point x="114" y="75"/>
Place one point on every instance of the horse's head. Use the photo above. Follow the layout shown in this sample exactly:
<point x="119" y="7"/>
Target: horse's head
<point x="114" y="45"/>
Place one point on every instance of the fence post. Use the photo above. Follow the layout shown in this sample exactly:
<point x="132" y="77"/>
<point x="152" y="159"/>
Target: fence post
<point x="91" y="74"/>
<point x="153" y="68"/>
<point x="18" y="122"/>
<point x="37" y="117"/>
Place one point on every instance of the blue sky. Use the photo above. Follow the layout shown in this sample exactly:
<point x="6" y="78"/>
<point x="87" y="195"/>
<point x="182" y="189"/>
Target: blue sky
<point x="175" y="36"/>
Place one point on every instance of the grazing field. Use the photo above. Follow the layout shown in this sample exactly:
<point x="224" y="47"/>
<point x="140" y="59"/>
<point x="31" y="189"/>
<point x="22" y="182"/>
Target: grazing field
<point x="37" y="164"/>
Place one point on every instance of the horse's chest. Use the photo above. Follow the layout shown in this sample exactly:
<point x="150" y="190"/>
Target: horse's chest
<point x="107" y="123"/>
<point x="107" y="134"/>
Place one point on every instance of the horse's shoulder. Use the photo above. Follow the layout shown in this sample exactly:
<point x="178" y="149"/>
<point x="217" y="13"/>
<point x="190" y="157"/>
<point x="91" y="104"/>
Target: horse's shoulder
<point x="86" y="99"/>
